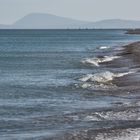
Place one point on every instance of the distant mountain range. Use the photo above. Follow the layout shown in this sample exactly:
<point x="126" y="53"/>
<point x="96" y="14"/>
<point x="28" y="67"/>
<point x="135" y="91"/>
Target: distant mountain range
<point x="49" y="21"/>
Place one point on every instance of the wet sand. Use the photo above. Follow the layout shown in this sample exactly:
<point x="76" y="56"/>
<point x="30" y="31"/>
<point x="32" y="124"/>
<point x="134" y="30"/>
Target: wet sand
<point x="131" y="60"/>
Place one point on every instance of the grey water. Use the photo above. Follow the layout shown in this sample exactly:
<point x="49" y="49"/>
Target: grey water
<point x="39" y="71"/>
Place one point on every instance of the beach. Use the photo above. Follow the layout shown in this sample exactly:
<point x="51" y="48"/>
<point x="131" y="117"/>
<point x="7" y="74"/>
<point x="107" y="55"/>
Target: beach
<point x="121" y="122"/>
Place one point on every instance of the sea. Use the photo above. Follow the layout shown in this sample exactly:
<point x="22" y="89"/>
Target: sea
<point x="51" y="79"/>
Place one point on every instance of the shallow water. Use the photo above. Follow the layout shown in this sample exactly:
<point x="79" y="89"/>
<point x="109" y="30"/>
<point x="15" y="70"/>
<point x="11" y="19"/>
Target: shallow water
<point x="40" y="92"/>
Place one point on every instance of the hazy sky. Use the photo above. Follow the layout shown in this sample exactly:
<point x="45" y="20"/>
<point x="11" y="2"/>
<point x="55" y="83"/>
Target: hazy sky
<point x="90" y="10"/>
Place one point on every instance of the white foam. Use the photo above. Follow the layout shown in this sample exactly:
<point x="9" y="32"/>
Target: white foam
<point x="95" y="86"/>
<point x="96" y="61"/>
<point x="103" y="77"/>
<point x="104" y="47"/>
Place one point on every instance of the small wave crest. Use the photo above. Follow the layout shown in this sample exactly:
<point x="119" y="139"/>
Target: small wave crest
<point x="104" y="47"/>
<point x="96" y="61"/>
<point x="103" y="79"/>
<point x="87" y="85"/>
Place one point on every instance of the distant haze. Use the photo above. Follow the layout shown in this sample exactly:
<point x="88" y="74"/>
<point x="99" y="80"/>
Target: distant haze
<point x="87" y="10"/>
<point x="49" y="21"/>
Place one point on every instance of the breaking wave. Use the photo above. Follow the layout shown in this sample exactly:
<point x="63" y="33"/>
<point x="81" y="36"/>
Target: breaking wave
<point x="96" y="61"/>
<point x="104" y="47"/>
<point x="103" y="79"/>
<point x="87" y="85"/>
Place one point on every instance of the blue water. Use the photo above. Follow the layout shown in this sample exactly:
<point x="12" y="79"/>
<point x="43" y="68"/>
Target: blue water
<point x="38" y="73"/>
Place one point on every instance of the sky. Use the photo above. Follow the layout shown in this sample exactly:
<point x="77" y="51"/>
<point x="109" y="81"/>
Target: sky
<point x="89" y="10"/>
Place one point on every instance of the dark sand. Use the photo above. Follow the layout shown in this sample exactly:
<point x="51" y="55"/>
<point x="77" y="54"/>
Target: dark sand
<point x="131" y="59"/>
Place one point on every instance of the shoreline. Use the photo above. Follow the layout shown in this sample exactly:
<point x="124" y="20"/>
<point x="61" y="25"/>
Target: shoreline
<point x="70" y="85"/>
<point x="131" y="59"/>
<point x="133" y="48"/>
<point x="124" y="119"/>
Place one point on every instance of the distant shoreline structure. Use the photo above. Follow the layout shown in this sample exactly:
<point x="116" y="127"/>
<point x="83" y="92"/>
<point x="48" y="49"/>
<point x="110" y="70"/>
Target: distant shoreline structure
<point x="133" y="31"/>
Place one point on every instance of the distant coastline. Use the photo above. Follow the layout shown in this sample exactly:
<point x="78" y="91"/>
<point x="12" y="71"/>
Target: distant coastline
<point x="133" y="31"/>
<point x="49" y="21"/>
